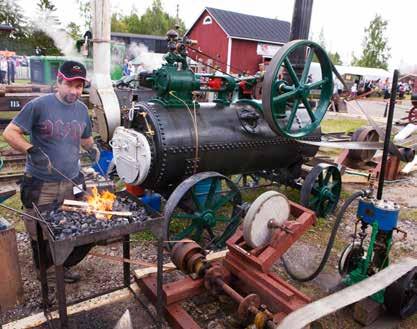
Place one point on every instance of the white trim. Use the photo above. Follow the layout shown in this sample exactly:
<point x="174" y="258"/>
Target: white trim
<point x="207" y="20"/>
<point x="229" y="54"/>
<point x="212" y="16"/>
<point x="259" y="40"/>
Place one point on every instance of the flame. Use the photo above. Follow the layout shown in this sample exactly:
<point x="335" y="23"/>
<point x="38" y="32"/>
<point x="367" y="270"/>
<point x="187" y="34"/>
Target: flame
<point x="101" y="201"/>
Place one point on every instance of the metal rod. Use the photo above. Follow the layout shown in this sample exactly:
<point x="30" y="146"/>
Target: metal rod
<point x="387" y="135"/>
<point x="159" y="282"/>
<point x="18" y="211"/>
<point x="126" y="265"/>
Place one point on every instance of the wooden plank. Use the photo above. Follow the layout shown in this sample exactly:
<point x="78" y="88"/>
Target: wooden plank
<point x="39" y="319"/>
<point x="145" y="272"/>
<point x="11" y="286"/>
<point x="100" y="212"/>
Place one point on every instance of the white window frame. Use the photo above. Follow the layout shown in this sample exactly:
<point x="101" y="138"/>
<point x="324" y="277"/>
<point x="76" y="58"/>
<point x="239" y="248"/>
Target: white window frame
<point x="207" y="20"/>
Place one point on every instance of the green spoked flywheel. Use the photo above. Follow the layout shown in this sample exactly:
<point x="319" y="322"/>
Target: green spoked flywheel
<point x="321" y="189"/>
<point x="203" y="208"/>
<point x="287" y="90"/>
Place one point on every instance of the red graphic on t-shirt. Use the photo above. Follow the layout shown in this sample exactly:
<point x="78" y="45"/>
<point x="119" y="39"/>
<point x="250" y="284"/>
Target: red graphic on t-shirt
<point x="61" y="130"/>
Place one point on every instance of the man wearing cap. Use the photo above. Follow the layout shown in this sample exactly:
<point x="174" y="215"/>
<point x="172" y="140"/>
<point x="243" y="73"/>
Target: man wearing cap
<point x="58" y="124"/>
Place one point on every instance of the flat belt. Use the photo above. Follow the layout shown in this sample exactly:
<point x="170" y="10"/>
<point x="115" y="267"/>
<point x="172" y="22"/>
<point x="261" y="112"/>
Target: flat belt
<point x="330" y="304"/>
<point x="346" y="145"/>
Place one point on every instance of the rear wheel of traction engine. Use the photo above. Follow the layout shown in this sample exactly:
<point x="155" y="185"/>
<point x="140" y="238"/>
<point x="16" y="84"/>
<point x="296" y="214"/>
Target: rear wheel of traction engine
<point x="363" y="134"/>
<point x="321" y="189"/>
<point x="286" y="96"/>
<point x="203" y="208"/>
<point x="349" y="260"/>
<point x="400" y="297"/>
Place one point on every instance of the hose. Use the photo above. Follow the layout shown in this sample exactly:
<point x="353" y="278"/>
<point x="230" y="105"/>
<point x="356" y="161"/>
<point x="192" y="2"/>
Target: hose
<point x="330" y="243"/>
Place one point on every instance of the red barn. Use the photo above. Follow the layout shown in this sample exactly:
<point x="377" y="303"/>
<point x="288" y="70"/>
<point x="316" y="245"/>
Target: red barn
<point x="236" y="42"/>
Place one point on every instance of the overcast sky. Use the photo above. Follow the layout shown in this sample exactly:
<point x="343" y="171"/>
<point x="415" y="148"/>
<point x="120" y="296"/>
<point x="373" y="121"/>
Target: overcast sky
<point x="342" y="21"/>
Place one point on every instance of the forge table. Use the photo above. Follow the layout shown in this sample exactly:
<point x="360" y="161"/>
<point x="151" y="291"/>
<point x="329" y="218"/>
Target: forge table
<point x="62" y="249"/>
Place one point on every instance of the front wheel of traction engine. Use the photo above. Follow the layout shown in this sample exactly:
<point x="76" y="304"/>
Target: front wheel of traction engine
<point x="204" y="208"/>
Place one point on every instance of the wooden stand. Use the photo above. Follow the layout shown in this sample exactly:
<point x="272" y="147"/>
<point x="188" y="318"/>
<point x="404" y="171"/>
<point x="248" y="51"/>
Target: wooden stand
<point x="10" y="279"/>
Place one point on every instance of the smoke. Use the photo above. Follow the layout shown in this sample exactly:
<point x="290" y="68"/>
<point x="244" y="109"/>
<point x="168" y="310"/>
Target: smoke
<point x="139" y="54"/>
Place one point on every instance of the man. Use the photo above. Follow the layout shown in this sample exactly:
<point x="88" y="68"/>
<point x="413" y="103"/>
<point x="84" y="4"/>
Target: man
<point x="57" y="124"/>
<point x="3" y="69"/>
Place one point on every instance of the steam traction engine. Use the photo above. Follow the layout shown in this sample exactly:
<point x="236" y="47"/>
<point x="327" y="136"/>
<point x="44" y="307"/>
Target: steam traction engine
<point x="173" y="137"/>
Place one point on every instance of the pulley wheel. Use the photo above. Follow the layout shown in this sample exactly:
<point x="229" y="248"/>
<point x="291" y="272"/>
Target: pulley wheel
<point x="212" y="277"/>
<point x="350" y="258"/>
<point x="363" y="134"/>
<point x="182" y="252"/>
<point x="412" y="115"/>
<point x="284" y="90"/>
<point x="203" y="208"/>
<point x="250" y="301"/>
<point x="400" y="297"/>
<point x="268" y="206"/>
<point x="321" y="189"/>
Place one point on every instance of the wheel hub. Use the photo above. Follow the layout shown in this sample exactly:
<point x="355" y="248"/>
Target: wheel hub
<point x="209" y="218"/>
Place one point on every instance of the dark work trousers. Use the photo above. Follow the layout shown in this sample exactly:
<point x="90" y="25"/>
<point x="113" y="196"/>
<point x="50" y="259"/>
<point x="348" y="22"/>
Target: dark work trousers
<point x="3" y="76"/>
<point x="11" y="72"/>
<point x="46" y="196"/>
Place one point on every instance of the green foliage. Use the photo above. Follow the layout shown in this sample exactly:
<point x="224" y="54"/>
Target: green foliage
<point x="375" y="51"/>
<point x="11" y="14"/>
<point x="74" y="30"/>
<point x="46" y="5"/>
<point x="154" y="21"/>
<point x="335" y="58"/>
<point x="85" y="11"/>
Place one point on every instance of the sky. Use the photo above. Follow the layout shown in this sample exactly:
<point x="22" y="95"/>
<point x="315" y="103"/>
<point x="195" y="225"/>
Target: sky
<point x="342" y="21"/>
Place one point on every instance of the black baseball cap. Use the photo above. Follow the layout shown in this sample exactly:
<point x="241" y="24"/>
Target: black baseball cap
<point x="72" y="70"/>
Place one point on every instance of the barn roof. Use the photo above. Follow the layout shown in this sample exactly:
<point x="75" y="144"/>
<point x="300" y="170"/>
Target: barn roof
<point x="242" y="26"/>
<point x="6" y="27"/>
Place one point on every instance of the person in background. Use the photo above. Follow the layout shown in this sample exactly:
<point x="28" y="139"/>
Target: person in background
<point x="3" y="69"/>
<point x="354" y="89"/>
<point x="11" y="70"/>
<point x="126" y="70"/>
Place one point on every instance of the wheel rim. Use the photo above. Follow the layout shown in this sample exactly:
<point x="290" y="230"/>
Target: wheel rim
<point x="364" y="134"/>
<point x="321" y="189"/>
<point x="412" y="115"/>
<point x="282" y="98"/>
<point x="208" y="217"/>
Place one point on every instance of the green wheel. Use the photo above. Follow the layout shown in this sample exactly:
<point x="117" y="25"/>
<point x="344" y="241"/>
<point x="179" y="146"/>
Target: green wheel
<point x="204" y="208"/>
<point x="286" y="92"/>
<point x="321" y="189"/>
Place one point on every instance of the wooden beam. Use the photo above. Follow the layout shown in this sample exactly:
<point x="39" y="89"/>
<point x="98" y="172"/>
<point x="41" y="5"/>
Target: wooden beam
<point x="94" y="211"/>
<point x="39" y="319"/>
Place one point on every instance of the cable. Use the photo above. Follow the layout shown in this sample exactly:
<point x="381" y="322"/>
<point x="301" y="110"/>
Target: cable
<point x="330" y="243"/>
<point x="194" y="121"/>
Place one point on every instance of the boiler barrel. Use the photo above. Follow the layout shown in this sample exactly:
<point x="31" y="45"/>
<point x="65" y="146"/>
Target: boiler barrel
<point x="231" y="139"/>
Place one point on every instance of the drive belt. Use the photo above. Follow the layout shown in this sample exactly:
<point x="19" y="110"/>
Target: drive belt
<point x="347" y="145"/>
<point x="330" y="304"/>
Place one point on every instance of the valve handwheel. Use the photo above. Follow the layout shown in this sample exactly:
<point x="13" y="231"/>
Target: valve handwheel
<point x="284" y="92"/>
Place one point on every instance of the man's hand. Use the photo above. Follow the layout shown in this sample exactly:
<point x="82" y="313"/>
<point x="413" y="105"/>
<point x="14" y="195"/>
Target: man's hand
<point x="38" y="157"/>
<point x="94" y="153"/>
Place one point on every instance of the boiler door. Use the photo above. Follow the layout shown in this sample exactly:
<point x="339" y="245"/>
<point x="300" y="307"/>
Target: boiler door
<point x="132" y="155"/>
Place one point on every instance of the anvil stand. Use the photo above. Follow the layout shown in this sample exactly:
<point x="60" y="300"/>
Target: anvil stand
<point x="250" y="271"/>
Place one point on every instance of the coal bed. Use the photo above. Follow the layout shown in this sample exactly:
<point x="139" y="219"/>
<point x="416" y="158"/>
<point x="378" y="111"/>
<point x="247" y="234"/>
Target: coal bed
<point x="71" y="224"/>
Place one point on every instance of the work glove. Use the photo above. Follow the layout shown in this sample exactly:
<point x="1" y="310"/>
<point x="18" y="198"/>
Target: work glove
<point x="38" y="157"/>
<point x="94" y="153"/>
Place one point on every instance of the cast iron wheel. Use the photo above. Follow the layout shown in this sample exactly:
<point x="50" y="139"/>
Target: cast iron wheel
<point x="412" y="115"/>
<point x="208" y="217"/>
<point x="321" y="189"/>
<point x="284" y="91"/>
<point x="400" y="297"/>
<point x="350" y="258"/>
<point x="363" y="134"/>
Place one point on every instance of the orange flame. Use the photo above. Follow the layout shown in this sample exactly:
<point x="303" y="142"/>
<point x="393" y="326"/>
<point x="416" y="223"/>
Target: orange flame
<point x="101" y="201"/>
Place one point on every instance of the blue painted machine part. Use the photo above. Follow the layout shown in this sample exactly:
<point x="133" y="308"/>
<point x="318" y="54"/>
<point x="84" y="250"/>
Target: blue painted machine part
<point x="385" y="213"/>
<point x="104" y="162"/>
<point x="153" y="200"/>
<point x="201" y="189"/>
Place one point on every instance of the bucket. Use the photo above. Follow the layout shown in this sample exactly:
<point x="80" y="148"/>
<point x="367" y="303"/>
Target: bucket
<point x="104" y="162"/>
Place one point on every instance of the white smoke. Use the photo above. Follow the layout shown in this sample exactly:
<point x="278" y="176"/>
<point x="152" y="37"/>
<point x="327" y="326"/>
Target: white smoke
<point x="139" y="54"/>
<point x="50" y="25"/>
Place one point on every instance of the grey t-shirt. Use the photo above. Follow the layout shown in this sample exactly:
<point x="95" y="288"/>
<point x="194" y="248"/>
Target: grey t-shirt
<point x="56" y="128"/>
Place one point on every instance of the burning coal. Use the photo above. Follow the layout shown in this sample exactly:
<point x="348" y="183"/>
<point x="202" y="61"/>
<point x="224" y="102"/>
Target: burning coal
<point x="101" y="202"/>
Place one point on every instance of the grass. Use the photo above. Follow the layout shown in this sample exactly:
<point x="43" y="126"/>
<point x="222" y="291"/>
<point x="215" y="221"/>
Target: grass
<point x="342" y="125"/>
<point x="410" y="214"/>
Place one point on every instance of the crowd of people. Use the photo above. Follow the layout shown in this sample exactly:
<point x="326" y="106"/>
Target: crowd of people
<point x="7" y="70"/>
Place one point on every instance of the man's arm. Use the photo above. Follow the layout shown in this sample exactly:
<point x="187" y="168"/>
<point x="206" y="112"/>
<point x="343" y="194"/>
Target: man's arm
<point x="13" y="135"/>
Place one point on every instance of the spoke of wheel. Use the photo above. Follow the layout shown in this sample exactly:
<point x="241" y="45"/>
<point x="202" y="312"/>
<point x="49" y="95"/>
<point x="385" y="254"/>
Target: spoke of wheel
<point x="284" y="97"/>
<point x="184" y="216"/>
<point x="327" y="177"/>
<point x="195" y="200"/>
<point x="320" y="178"/>
<point x="223" y="200"/>
<point x="291" y="71"/>
<point x="184" y="233"/>
<point x="197" y="233"/>
<point x="210" y="232"/>
<point x="313" y="201"/>
<point x="211" y="192"/>
<point x="292" y="114"/>
<point x="221" y="218"/>
<point x="309" y="109"/>
<point x="307" y="66"/>
<point x="334" y="184"/>
<point x="317" y="84"/>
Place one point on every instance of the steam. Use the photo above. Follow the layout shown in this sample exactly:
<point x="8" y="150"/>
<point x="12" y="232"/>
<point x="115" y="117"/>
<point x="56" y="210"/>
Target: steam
<point x="139" y="54"/>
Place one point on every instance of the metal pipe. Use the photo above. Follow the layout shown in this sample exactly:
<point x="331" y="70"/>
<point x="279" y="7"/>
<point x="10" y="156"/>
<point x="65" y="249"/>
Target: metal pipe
<point x="387" y="134"/>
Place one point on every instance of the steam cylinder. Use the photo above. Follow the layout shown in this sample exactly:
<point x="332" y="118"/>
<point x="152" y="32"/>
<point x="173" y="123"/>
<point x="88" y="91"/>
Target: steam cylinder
<point x="157" y="146"/>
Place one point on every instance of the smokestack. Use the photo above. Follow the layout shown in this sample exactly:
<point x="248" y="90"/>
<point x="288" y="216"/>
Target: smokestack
<point x="300" y="28"/>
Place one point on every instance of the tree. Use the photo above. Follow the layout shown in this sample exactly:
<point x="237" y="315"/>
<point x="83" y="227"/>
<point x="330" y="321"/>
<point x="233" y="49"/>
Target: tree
<point x="375" y="52"/>
<point x="46" y="5"/>
<point x="74" y="30"/>
<point x="335" y="58"/>
<point x="84" y="7"/>
<point x="11" y="14"/>
<point x="117" y="23"/>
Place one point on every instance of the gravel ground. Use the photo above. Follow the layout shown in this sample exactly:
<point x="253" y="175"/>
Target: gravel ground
<point x="210" y="311"/>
